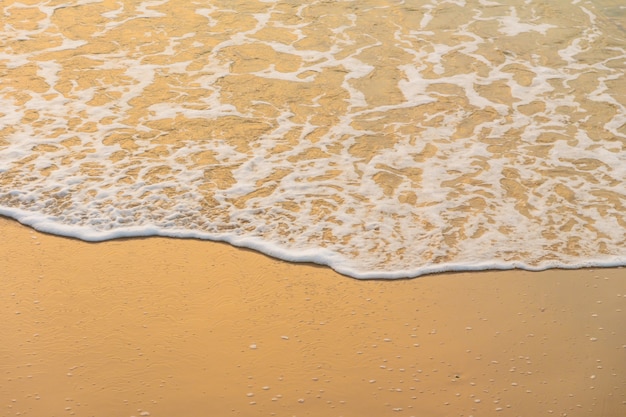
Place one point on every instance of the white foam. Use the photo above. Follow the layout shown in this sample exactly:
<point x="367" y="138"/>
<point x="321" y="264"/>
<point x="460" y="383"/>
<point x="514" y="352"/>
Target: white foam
<point x="512" y="26"/>
<point x="425" y="195"/>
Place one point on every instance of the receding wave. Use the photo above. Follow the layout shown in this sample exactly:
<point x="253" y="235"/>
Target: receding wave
<point x="384" y="138"/>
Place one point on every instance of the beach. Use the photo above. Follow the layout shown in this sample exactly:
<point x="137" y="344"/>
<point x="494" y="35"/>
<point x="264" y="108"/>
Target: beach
<point x="181" y="327"/>
<point x="278" y="208"/>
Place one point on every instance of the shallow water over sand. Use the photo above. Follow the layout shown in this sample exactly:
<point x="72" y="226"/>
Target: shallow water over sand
<point x="383" y="138"/>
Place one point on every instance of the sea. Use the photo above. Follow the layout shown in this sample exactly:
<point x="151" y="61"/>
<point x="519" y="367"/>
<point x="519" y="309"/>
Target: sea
<point x="383" y="138"/>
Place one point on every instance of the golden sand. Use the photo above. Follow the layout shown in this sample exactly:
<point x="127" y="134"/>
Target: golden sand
<point x="166" y="327"/>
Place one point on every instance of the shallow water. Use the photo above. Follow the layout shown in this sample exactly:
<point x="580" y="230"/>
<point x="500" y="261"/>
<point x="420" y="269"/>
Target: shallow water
<point x="383" y="138"/>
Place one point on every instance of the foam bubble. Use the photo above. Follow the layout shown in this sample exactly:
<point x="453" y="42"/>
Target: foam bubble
<point x="381" y="141"/>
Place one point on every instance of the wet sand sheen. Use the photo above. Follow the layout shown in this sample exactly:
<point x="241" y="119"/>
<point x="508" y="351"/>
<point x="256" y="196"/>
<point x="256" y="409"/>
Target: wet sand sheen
<point x="191" y="328"/>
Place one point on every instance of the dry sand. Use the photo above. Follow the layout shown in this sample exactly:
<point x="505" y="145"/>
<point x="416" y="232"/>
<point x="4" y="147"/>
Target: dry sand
<point x="165" y="327"/>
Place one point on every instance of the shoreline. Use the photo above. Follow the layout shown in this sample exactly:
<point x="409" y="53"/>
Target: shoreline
<point x="160" y="326"/>
<point x="286" y="255"/>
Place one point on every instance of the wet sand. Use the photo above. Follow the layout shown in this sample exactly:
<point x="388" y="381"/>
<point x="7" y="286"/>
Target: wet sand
<point x="166" y="327"/>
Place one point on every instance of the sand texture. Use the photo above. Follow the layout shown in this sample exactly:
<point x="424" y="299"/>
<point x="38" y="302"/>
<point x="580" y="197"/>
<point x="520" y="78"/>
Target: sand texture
<point x="166" y="327"/>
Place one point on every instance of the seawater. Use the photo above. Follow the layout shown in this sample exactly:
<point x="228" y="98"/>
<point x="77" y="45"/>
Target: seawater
<point x="384" y="138"/>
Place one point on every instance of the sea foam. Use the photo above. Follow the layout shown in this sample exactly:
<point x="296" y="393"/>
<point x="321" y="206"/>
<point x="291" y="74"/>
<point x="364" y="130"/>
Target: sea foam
<point x="383" y="139"/>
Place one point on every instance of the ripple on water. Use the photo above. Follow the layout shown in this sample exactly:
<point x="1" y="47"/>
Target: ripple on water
<point x="382" y="139"/>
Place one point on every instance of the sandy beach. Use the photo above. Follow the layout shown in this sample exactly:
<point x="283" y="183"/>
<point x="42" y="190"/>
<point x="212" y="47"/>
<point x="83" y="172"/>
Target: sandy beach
<point x="164" y="327"/>
<point x="379" y="137"/>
